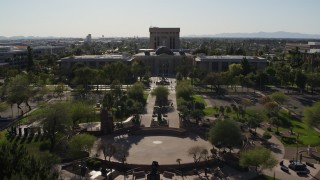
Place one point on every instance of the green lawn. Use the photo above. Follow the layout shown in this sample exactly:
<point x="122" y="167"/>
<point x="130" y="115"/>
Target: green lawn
<point x="264" y="177"/>
<point x="307" y="135"/>
<point x="32" y="144"/>
<point x="209" y="111"/>
<point x="199" y="98"/>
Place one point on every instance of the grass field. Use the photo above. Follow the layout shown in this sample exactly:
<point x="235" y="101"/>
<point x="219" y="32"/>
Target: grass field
<point x="264" y="177"/>
<point x="307" y="135"/>
<point x="209" y="111"/>
<point x="199" y="98"/>
<point x="31" y="143"/>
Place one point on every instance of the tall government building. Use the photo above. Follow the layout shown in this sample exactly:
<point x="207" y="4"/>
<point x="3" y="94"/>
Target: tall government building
<point x="164" y="56"/>
<point x="169" y="37"/>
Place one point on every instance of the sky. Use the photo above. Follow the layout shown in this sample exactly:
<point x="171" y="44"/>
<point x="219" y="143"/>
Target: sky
<point x="128" y="18"/>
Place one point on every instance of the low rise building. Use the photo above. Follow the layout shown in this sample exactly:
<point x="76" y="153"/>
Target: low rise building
<point x="221" y="63"/>
<point x="302" y="47"/>
<point x="93" y="61"/>
<point x="17" y="55"/>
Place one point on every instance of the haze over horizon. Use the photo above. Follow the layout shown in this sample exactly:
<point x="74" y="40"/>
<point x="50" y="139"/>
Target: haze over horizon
<point x="126" y="18"/>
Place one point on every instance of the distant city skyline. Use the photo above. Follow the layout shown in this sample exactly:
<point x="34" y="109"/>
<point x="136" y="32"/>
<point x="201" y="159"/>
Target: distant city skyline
<point x="127" y="18"/>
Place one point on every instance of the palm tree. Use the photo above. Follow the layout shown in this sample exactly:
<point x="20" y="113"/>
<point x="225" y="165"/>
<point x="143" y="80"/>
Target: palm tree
<point x="179" y="161"/>
<point x="277" y="122"/>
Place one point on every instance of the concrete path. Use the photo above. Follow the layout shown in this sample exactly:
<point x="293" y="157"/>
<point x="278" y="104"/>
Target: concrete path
<point x="146" y="118"/>
<point x="172" y="115"/>
<point x="207" y="100"/>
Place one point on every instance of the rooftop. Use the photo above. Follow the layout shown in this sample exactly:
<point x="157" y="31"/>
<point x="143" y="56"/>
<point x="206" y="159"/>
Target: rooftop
<point x="98" y="57"/>
<point x="229" y="57"/>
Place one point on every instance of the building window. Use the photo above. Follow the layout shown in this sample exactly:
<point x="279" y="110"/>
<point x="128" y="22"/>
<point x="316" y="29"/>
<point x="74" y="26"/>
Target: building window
<point x="215" y="66"/>
<point x="225" y="66"/>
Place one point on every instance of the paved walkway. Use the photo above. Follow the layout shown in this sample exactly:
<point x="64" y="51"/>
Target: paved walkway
<point x="207" y="100"/>
<point x="173" y="115"/>
<point x="146" y="118"/>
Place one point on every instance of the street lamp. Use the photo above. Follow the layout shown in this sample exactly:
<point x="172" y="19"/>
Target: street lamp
<point x="297" y="148"/>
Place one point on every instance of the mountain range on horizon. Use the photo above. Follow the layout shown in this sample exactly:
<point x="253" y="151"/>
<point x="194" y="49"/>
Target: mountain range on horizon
<point x="276" y="35"/>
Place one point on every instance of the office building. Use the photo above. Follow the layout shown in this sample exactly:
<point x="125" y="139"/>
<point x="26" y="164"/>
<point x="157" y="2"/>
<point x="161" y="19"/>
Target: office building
<point x="169" y="37"/>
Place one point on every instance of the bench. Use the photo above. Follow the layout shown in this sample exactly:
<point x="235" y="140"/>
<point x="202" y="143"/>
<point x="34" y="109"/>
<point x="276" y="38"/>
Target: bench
<point x="167" y="174"/>
<point x="139" y="175"/>
<point x="285" y="169"/>
<point x="310" y="164"/>
<point x="301" y="172"/>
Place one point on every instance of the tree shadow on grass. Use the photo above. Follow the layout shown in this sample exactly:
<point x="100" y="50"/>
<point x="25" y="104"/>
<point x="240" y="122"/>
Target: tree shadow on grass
<point x="30" y="138"/>
<point x="298" y="126"/>
<point x="23" y="139"/>
<point x="37" y="137"/>
<point x="288" y="140"/>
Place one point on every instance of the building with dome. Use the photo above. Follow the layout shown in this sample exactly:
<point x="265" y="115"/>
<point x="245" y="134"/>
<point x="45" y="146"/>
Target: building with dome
<point x="163" y="61"/>
<point x="165" y="57"/>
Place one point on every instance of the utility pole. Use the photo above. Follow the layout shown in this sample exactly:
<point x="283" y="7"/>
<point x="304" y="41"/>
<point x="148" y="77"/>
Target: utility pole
<point x="297" y="148"/>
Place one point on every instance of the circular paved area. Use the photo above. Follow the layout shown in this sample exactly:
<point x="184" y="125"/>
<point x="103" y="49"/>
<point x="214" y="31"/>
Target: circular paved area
<point x="164" y="149"/>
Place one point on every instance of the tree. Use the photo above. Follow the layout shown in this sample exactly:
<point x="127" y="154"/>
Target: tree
<point x="276" y="122"/>
<point x="184" y="90"/>
<point x="215" y="79"/>
<point x="19" y="91"/>
<point x="246" y="68"/>
<point x="283" y="72"/>
<point x="179" y="161"/>
<point x="116" y="71"/>
<point x="313" y="81"/>
<point x="161" y="93"/>
<point x="255" y="117"/>
<point x="80" y="110"/>
<point x="235" y="69"/>
<point x="81" y="142"/>
<point x="258" y="157"/>
<point x="226" y="133"/>
<point x="197" y="152"/>
<point x="262" y="79"/>
<point x="301" y="80"/>
<point x="272" y="108"/>
<point x="108" y="149"/>
<point x="249" y="80"/>
<point x="221" y="110"/>
<point x="58" y="89"/>
<point x="138" y="69"/>
<point x="108" y="100"/>
<point x="55" y="119"/>
<point x="311" y="115"/>
<point x="83" y="78"/>
<point x="296" y="59"/>
<point x="135" y="92"/>
<point x="16" y="163"/>
<point x="30" y="63"/>
<point x="279" y="97"/>
<point x="179" y="76"/>
<point x="245" y="102"/>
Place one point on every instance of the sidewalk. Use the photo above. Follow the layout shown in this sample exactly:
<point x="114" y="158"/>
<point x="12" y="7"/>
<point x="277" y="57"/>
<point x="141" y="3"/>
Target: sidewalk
<point x="278" y="151"/>
<point x="172" y="116"/>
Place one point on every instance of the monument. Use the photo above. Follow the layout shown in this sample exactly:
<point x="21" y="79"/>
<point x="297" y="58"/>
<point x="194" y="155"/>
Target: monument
<point x="106" y="120"/>
<point x="154" y="174"/>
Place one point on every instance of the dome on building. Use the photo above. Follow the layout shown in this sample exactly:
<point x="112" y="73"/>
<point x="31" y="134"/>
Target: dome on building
<point x="164" y="49"/>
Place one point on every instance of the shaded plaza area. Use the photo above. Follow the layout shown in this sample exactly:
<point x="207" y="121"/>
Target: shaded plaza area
<point x="143" y="149"/>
